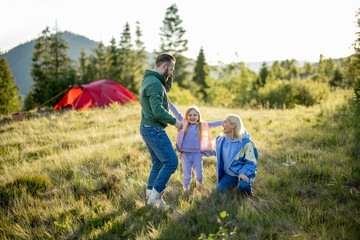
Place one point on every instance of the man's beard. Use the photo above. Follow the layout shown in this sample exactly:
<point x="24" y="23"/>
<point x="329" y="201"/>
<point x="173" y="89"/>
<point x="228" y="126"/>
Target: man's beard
<point x="166" y="74"/>
<point x="168" y="79"/>
<point x="168" y="84"/>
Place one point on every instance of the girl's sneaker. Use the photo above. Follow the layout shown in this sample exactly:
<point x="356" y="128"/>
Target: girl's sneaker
<point x="198" y="184"/>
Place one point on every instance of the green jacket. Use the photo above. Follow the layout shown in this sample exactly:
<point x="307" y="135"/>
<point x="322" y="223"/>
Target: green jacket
<point x="154" y="101"/>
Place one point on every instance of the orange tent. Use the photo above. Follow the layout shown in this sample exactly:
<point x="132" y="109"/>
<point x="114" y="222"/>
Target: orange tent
<point x="96" y="94"/>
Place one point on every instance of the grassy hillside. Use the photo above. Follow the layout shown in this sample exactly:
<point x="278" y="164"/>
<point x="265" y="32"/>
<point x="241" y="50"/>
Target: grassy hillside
<point x="82" y="175"/>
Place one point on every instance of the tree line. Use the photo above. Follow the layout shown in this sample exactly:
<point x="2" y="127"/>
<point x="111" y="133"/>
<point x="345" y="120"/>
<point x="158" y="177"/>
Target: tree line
<point x="283" y="84"/>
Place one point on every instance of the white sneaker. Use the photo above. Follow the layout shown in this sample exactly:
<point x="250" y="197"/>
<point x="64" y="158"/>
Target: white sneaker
<point x="148" y="193"/>
<point x="155" y="199"/>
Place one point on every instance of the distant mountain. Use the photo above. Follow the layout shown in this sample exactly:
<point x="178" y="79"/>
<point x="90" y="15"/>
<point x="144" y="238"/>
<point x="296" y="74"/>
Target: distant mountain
<point x="256" y="66"/>
<point x="19" y="58"/>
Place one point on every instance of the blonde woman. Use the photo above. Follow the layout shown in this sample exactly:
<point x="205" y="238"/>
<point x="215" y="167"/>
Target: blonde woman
<point x="236" y="156"/>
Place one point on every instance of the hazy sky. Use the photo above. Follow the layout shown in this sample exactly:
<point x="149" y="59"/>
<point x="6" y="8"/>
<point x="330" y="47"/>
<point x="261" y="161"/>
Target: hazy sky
<point x="228" y="30"/>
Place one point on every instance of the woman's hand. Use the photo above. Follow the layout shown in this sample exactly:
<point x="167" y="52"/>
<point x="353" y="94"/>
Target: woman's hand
<point x="243" y="177"/>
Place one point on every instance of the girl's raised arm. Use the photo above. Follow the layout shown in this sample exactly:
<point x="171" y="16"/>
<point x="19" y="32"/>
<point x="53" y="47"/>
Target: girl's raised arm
<point x="176" y="113"/>
<point x="215" y="123"/>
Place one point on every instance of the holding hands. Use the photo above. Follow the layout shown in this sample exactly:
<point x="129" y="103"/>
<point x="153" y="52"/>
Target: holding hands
<point x="178" y="125"/>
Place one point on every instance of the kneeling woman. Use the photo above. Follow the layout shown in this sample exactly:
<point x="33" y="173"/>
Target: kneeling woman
<point x="236" y="156"/>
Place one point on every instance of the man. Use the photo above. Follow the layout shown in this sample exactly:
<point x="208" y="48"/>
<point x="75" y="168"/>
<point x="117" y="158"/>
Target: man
<point x="155" y="117"/>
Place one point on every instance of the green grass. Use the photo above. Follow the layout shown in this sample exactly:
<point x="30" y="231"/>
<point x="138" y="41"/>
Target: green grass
<point x="82" y="175"/>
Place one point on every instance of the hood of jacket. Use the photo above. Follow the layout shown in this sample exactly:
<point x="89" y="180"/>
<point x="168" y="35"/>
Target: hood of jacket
<point x="159" y="76"/>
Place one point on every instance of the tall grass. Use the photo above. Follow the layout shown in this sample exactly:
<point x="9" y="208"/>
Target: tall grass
<point x="82" y="175"/>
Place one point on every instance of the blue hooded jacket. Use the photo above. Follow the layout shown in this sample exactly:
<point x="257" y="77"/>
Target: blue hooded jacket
<point x="245" y="161"/>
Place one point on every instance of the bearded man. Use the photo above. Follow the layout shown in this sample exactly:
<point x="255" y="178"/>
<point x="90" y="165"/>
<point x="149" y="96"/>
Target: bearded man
<point x="155" y="117"/>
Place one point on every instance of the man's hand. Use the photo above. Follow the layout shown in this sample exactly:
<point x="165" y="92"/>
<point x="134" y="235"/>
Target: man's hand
<point x="243" y="177"/>
<point x="178" y="125"/>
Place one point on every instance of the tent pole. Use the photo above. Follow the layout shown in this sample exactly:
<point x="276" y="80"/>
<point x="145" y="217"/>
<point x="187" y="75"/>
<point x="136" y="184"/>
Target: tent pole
<point x="52" y="98"/>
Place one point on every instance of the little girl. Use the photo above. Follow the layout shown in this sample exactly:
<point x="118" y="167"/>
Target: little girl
<point x="193" y="142"/>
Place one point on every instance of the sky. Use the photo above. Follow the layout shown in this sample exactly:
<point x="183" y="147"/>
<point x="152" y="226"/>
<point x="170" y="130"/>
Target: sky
<point x="228" y="30"/>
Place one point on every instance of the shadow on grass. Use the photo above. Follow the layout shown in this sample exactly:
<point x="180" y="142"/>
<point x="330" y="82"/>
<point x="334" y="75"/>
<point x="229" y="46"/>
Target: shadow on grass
<point x="151" y="222"/>
<point x="128" y="222"/>
<point x="202" y="216"/>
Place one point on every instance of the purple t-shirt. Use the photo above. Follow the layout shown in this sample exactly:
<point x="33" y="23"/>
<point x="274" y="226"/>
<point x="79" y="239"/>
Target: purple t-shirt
<point x="191" y="142"/>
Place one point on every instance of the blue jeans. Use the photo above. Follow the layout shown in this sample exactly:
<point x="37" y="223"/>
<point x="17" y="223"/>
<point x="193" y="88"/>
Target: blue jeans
<point x="228" y="181"/>
<point x="163" y="156"/>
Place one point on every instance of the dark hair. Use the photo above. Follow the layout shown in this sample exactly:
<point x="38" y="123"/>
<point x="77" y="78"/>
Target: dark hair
<point x="164" y="58"/>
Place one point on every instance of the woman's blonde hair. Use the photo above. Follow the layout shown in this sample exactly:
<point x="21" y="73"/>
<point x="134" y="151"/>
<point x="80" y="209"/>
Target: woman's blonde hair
<point x="239" y="130"/>
<point x="196" y="109"/>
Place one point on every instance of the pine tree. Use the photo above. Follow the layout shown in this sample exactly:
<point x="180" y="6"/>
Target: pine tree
<point x="139" y="44"/>
<point x="264" y="74"/>
<point x="100" y="61"/>
<point x="127" y="60"/>
<point x="172" y="33"/>
<point x="91" y="70"/>
<point x="294" y="72"/>
<point x="111" y="61"/>
<point x="276" y="70"/>
<point x="244" y="93"/>
<point x="40" y="67"/>
<point x="328" y="68"/>
<point x="337" y="79"/>
<point x="307" y="70"/>
<point x="9" y="98"/>
<point x="172" y="41"/>
<point x="82" y="65"/>
<point x="348" y="69"/>
<point x="51" y="68"/>
<point x="290" y="69"/>
<point x="140" y="58"/>
<point x="324" y="70"/>
<point x="61" y="72"/>
<point x="59" y="60"/>
<point x="29" y="101"/>
<point x="200" y="73"/>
